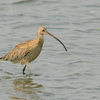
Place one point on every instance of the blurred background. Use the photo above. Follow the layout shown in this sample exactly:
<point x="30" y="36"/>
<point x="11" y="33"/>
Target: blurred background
<point x="61" y="75"/>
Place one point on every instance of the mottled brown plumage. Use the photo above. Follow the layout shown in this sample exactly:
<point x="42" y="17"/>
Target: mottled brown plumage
<point x="28" y="51"/>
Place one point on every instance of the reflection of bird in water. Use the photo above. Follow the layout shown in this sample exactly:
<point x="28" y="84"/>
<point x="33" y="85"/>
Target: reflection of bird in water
<point x="28" y="51"/>
<point x="26" y="86"/>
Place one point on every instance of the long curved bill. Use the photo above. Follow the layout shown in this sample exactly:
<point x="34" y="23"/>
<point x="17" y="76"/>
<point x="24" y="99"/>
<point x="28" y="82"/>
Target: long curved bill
<point x="56" y="39"/>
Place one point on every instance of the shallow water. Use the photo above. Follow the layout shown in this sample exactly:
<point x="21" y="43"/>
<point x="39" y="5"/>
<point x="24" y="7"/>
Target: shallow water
<point x="61" y="75"/>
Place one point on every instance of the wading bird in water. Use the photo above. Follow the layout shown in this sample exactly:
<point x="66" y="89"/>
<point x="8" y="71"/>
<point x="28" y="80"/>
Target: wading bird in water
<point x="27" y="51"/>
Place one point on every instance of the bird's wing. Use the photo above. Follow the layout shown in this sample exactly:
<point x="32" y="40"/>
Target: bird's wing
<point x="21" y="50"/>
<point x="26" y="44"/>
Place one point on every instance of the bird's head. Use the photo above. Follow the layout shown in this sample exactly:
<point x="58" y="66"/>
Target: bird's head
<point x="43" y="30"/>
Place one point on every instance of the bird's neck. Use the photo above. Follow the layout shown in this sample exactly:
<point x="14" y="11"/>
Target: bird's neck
<point x="40" y="39"/>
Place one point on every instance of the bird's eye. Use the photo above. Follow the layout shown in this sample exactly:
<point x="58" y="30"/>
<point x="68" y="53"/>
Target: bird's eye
<point x="43" y="30"/>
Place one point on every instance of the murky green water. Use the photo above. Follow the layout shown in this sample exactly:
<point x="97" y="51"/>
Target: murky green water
<point x="74" y="75"/>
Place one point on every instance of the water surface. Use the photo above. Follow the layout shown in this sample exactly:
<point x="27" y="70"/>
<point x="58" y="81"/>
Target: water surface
<point x="61" y="75"/>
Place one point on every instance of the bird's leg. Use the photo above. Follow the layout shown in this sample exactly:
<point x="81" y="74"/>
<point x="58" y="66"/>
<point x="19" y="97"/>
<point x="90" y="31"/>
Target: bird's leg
<point x="30" y="73"/>
<point x="24" y="69"/>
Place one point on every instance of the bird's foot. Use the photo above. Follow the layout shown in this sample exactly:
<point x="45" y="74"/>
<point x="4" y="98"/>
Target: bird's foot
<point x="23" y="73"/>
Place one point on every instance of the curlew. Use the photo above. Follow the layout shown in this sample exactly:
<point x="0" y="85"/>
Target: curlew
<point x="26" y="52"/>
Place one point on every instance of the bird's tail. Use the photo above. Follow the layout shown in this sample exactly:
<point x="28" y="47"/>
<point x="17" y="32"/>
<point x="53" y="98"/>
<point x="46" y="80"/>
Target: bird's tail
<point x="1" y="58"/>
